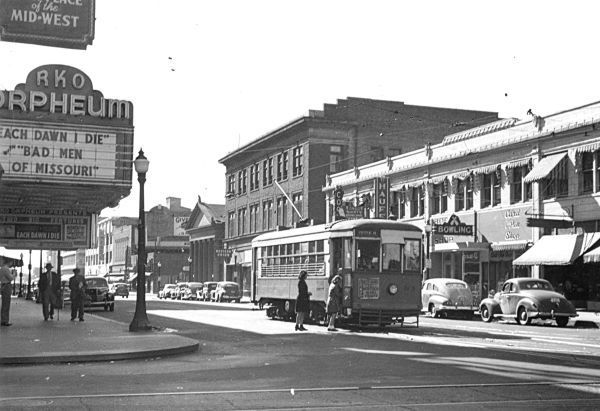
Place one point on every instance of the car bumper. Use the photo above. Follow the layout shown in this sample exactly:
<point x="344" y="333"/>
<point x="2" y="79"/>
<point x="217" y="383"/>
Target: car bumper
<point x="551" y="314"/>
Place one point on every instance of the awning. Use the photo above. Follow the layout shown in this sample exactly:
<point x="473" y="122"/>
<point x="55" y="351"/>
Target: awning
<point x="592" y="256"/>
<point x="509" y="245"/>
<point x="588" y="148"/>
<point x="486" y="169"/>
<point x="544" y="167"/>
<point x="461" y="246"/>
<point x="134" y="276"/>
<point x="517" y="163"/>
<point x="558" y="249"/>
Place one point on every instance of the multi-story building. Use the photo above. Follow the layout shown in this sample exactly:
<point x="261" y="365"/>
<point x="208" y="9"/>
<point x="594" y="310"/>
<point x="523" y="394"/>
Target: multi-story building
<point x="485" y="196"/>
<point x="206" y="230"/>
<point x="276" y="180"/>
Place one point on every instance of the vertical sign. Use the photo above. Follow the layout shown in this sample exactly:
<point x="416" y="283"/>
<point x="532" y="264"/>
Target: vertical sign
<point x="338" y="203"/>
<point x="382" y="196"/>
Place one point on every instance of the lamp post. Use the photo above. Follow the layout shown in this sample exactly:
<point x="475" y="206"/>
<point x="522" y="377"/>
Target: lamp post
<point x="158" y="280"/>
<point x="427" y="250"/>
<point x="140" y="318"/>
<point x="21" y="278"/>
<point x="190" y="267"/>
<point x="29" y="296"/>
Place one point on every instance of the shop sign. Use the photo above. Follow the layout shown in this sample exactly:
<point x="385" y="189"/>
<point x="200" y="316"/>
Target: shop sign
<point x="178" y="225"/>
<point x="366" y="233"/>
<point x="453" y="227"/>
<point x="57" y="23"/>
<point x="353" y="212"/>
<point x="224" y="252"/>
<point x="55" y="229"/>
<point x="382" y="197"/>
<point x="338" y="203"/>
<point x="368" y="288"/>
<point x="504" y="225"/>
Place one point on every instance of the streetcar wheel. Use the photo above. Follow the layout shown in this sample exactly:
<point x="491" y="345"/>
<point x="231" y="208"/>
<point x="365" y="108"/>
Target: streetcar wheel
<point x="486" y="314"/>
<point x="523" y="316"/>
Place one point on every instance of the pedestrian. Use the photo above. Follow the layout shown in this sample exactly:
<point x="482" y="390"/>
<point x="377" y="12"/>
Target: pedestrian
<point x="334" y="301"/>
<point x="6" y="279"/>
<point x="49" y="285"/>
<point x="302" y="301"/>
<point x="77" y="285"/>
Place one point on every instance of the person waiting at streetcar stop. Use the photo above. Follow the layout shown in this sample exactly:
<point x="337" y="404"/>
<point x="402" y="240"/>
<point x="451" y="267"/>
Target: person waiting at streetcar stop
<point x="334" y="301"/>
<point x="6" y="279"/>
<point x="77" y="285"/>
<point x="49" y="288"/>
<point x="302" y="301"/>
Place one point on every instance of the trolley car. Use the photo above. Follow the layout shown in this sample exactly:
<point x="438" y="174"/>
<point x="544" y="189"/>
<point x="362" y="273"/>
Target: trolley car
<point x="379" y="262"/>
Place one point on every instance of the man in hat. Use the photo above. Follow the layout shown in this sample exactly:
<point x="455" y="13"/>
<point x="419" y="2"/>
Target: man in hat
<point x="77" y="286"/>
<point x="49" y="286"/>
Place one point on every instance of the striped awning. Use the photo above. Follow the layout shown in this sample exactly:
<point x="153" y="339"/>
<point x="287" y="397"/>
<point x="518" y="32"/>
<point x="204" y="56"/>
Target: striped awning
<point x="592" y="256"/>
<point x="517" y="163"/>
<point x="486" y="169"/>
<point x="438" y="179"/>
<point x="462" y="175"/>
<point x="544" y="167"/>
<point x="558" y="249"/>
<point x="416" y="183"/>
<point x="588" y="148"/>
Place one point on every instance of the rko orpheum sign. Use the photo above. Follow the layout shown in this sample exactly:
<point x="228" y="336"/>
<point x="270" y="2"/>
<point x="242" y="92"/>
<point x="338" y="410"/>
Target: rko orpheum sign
<point x="59" y="23"/>
<point x="63" y="146"/>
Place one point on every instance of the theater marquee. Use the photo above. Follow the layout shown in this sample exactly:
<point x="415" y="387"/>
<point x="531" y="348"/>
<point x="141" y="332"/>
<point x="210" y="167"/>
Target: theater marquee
<point x="58" y="23"/>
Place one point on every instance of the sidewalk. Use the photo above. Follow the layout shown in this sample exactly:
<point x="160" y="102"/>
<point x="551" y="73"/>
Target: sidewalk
<point x="31" y="340"/>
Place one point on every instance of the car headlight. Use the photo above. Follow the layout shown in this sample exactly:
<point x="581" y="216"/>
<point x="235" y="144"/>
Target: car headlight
<point x="393" y="289"/>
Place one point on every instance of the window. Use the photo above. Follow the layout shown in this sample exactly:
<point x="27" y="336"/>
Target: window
<point x="335" y="158"/>
<point x="282" y="211"/>
<point x="231" y="224"/>
<point x="267" y="217"/>
<point x="254" y="177"/>
<point x="297" y="159"/>
<point x="519" y="191"/>
<point x="440" y="198"/>
<point x="242" y="176"/>
<point x="268" y="172"/>
<point x="297" y="201"/>
<point x="412" y="255"/>
<point x="253" y="218"/>
<point x="417" y="201"/>
<point x="242" y="221"/>
<point x="402" y="204"/>
<point x="557" y="183"/>
<point x="367" y="255"/>
<point x="490" y="192"/>
<point x="459" y="197"/>
<point x="282" y="166"/>
<point x="589" y="163"/>
<point x="391" y="257"/>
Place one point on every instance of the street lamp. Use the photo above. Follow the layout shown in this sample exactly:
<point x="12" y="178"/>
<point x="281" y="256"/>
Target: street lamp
<point x="29" y="296"/>
<point x="140" y="318"/>
<point x="427" y="250"/>
<point x="190" y="267"/>
<point x="158" y="265"/>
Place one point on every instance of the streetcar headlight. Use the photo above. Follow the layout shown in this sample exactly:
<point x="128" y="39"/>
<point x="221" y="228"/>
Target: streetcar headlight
<point x="393" y="289"/>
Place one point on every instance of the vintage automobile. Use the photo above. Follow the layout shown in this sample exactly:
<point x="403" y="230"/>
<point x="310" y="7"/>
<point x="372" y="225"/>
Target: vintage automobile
<point x="190" y="291"/>
<point x="226" y="291"/>
<point x="121" y="289"/>
<point x="207" y="288"/>
<point x="166" y="291"/>
<point x="525" y="299"/>
<point x="98" y="294"/>
<point x="177" y="292"/>
<point x="447" y="296"/>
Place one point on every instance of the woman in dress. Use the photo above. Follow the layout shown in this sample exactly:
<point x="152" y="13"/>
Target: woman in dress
<point x="302" y="301"/>
<point x="334" y="301"/>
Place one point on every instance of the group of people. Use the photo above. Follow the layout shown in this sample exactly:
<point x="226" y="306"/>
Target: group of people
<point x="50" y="292"/>
<point x="333" y="305"/>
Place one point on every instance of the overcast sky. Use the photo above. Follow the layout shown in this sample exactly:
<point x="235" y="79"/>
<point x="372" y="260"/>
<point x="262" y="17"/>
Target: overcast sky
<point x="208" y="76"/>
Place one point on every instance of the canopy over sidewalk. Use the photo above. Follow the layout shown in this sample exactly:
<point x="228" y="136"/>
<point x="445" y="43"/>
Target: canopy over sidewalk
<point x="558" y="249"/>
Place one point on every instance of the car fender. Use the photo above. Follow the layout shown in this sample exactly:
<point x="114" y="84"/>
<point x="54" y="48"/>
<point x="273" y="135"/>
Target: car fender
<point x="528" y="303"/>
<point x="437" y="300"/>
<point x="492" y="304"/>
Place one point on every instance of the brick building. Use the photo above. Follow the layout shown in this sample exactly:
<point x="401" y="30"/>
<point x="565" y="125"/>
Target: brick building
<point x="298" y="157"/>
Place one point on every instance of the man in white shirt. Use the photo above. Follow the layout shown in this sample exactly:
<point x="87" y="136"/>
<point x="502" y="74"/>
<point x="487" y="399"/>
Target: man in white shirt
<point x="6" y="279"/>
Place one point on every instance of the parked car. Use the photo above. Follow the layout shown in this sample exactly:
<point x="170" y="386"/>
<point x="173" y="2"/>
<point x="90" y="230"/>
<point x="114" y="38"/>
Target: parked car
<point x="121" y="289"/>
<point x="190" y="291"/>
<point x="525" y="299"/>
<point x="178" y="291"/>
<point x="226" y="291"/>
<point x="207" y="288"/>
<point x="166" y="291"/>
<point x="98" y="293"/>
<point x="444" y="296"/>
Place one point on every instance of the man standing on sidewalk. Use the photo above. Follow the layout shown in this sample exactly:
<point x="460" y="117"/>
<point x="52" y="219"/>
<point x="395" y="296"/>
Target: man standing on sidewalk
<point x="78" y="286"/>
<point x="6" y="279"/>
<point x="49" y="290"/>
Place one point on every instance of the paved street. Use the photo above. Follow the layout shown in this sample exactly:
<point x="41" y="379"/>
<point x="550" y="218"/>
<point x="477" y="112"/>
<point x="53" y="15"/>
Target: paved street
<point x="247" y="361"/>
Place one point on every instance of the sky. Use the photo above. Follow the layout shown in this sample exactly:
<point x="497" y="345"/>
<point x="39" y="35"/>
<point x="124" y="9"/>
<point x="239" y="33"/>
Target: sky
<point x="206" y="77"/>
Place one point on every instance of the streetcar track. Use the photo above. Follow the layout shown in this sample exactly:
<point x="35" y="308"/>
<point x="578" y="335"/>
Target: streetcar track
<point x="310" y="389"/>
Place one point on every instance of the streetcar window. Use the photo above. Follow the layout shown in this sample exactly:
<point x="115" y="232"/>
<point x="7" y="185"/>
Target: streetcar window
<point x="342" y="253"/>
<point x="367" y="255"/>
<point x="412" y="255"/>
<point x="392" y="257"/>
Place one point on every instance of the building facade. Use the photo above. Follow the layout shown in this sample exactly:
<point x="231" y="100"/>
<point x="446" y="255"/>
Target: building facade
<point x="276" y="180"/>
<point x="483" y="197"/>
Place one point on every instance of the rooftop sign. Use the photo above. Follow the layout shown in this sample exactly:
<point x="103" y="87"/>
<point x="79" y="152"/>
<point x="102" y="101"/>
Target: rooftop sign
<point x="57" y="23"/>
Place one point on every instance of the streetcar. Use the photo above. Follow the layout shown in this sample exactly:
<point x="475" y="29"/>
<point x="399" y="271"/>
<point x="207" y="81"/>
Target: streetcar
<point x="379" y="262"/>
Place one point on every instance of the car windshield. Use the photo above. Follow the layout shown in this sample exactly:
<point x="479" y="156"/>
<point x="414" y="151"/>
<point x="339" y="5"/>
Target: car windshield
<point x="456" y="285"/>
<point x="96" y="282"/>
<point x="535" y="285"/>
